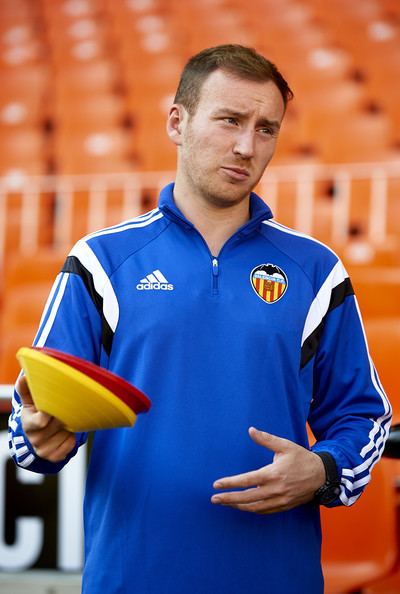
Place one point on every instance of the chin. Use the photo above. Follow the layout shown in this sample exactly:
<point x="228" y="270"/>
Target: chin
<point x="226" y="199"/>
<point x="230" y="196"/>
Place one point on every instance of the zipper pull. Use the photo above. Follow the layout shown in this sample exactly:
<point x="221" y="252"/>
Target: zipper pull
<point x="215" y="272"/>
<point x="215" y="267"/>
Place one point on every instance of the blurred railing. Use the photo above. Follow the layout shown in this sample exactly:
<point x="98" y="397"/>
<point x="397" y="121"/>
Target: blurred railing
<point x="363" y="193"/>
<point x="327" y="201"/>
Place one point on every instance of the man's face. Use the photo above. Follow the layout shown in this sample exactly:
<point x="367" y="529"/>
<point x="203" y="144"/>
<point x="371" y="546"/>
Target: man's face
<point x="230" y="139"/>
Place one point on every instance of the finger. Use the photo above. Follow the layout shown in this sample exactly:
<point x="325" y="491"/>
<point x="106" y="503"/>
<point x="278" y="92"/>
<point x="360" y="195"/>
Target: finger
<point x="261" y="504"/>
<point x="23" y="391"/>
<point x="272" y="442"/>
<point x="58" y="447"/>
<point x="64" y="449"/>
<point x="260" y="507"/>
<point x="33" y="420"/>
<point x="240" y="481"/>
<point x="240" y="497"/>
<point x="43" y="427"/>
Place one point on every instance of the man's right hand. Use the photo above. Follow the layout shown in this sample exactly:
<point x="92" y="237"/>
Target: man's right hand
<point x="48" y="437"/>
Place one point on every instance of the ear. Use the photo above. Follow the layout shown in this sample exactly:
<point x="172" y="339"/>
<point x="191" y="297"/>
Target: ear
<point x="175" y="124"/>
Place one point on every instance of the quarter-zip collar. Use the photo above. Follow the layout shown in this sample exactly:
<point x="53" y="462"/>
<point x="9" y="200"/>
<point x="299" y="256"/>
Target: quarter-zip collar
<point x="259" y="211"/>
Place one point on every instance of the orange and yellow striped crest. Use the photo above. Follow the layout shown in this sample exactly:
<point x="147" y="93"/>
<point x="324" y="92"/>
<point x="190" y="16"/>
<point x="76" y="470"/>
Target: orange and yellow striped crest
<point x="269" y="282"/>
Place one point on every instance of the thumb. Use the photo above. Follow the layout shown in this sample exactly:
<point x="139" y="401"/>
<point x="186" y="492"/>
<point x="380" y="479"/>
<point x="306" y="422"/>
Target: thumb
<point x="23" y="391"/>
<point x="267" y="440"/>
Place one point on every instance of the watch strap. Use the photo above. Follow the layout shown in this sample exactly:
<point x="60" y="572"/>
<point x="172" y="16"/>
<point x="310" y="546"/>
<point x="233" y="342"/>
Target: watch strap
<point x="330" y="490"/>
<point x="330" y="466"/>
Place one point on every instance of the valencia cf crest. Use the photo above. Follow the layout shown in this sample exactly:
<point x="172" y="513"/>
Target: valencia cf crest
<point x="269" y="282"/>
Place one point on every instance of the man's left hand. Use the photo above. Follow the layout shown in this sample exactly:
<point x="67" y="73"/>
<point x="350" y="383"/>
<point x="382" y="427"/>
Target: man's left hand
<point x="290" y="480"/>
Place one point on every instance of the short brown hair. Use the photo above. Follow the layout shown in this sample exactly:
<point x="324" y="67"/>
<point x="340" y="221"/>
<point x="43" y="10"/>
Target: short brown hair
<point x="235" y="59"/>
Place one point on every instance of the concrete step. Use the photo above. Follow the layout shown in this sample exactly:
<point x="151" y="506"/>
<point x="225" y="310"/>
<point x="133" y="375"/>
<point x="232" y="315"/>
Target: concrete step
<point x="40" y="582"/>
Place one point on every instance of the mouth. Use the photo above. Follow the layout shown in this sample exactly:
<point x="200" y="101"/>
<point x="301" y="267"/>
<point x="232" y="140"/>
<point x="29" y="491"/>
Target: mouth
<point x="236" y="173"/>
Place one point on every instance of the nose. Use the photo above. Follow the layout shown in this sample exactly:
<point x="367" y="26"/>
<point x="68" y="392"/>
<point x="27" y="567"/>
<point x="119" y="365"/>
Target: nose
<point x="244" y="144"/>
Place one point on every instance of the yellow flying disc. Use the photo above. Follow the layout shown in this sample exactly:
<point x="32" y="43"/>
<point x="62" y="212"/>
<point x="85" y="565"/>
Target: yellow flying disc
<point x="77" y="400"/>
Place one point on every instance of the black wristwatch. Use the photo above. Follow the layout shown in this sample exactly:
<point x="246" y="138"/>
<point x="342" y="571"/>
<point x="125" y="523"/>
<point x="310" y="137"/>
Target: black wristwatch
<point x="330" y="490"/>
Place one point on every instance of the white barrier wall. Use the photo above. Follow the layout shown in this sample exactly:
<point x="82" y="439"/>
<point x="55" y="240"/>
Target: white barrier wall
<point x="40" y="516"/>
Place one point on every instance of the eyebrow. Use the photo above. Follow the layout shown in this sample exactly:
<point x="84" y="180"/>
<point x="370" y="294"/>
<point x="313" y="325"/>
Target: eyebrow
<point x="240" y="114"/>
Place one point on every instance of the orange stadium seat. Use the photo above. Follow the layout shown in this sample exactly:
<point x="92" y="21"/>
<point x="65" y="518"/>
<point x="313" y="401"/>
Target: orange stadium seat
<point x="19" y="233"/>
<point x="393" y="207"/>
<point x="20" y="110"/>
<point x="360" y="251"/>
<point x="154" y="150"/>
<point x="383" y="335"/>
<point x="387" y="585"/>
<point x="103" y="149"/>
<point x="149" y="96"/>
<point x="86" y="78"/>
<point x="75" y="113"/>
<point x="21" y="311"/>
<point x="24" y="304"/>
<point x="69" y="52"/>
<point x="23" y="96"/>
<point x="377" y="290"/>
<point x="25" y="285"/>
<point x="22" y="79"/>
<point x="28" y="270"/>
<point x="10" y="343"/>
<point x="22" y="149"/>
<point x="21" y="45"/>
<point x="360" y="543"/>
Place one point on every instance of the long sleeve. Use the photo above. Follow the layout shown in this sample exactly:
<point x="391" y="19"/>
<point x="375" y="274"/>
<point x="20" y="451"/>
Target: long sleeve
<point x="72" y="321"/>
<point x="350" y="413"/>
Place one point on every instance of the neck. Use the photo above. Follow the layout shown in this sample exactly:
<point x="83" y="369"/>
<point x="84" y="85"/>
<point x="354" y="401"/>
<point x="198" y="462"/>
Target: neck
<point x="215" y="224"/>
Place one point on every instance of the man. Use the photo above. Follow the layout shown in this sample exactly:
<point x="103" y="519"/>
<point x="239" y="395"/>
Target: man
<point x="240" y="331"/>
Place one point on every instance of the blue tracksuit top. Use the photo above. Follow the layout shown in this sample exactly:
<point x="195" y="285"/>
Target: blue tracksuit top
<point x="266" y="334"/>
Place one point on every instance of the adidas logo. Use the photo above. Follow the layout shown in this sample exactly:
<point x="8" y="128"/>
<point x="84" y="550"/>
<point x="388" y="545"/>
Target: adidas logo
<point x="155" y="281"/>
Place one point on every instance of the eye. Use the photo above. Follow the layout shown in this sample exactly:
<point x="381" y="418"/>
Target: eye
<point x="268" y="131"/>
<point x="230" y="120"/>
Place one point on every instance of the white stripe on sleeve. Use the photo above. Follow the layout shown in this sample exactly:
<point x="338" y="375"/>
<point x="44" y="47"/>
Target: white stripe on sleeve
<point x="101" y="282"/>
<point x="320" y="305"/>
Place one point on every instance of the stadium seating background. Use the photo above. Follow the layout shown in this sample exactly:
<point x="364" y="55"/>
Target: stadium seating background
<point x="85" y="86"/>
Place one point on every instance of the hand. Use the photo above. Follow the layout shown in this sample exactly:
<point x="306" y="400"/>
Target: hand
<point x="290" y="480"/>
<point x="46" y="434"/>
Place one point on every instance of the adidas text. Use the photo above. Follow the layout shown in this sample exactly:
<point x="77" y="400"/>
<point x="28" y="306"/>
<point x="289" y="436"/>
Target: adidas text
<point x="155" y="287"/>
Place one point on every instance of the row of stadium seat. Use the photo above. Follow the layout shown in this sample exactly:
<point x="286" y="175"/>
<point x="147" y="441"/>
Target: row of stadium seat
<point x="123" y="60"/>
